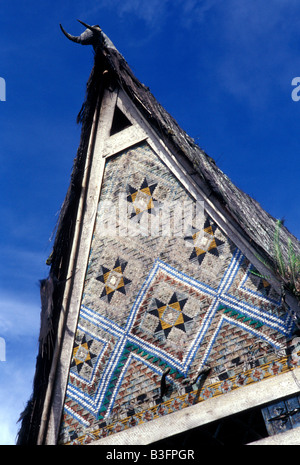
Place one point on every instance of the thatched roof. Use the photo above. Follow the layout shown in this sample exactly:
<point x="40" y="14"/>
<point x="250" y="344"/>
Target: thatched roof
<point x="256" y="224"/>
<point x="258" y="227"/>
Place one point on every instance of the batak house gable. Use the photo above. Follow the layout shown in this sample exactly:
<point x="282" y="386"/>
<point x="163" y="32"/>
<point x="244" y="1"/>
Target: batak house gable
<point x="134" y="326"/>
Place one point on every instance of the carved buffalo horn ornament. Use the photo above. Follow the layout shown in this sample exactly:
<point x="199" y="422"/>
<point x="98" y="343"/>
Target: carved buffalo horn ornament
<point x="89" y="37"/>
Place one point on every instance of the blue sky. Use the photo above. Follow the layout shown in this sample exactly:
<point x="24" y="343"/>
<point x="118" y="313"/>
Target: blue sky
<point x="222" y="68"/>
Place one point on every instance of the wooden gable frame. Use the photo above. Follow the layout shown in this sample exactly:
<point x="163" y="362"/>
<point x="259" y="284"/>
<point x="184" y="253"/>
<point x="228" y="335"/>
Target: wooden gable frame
<point x="136" y="104"/>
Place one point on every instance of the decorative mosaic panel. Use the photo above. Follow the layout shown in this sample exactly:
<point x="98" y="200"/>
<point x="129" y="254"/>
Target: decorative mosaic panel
<point x="194" y="395"/>
<point x="165" y="300"/>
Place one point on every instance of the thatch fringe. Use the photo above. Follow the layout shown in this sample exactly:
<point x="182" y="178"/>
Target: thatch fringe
<point x="53" y="288"/>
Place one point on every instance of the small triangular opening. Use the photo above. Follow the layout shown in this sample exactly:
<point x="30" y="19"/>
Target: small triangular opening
<point x="120" y="122"/>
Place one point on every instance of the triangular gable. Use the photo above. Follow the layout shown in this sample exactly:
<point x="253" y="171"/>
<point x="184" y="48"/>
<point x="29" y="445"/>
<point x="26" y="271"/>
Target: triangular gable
<point x="169" y="299"/>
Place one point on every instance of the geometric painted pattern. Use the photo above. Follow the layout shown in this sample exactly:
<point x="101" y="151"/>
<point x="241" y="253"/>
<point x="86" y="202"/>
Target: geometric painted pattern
<point x="82" y="354"/>
<point x="169" y="315"/>
<point x="258" y="285"/>
<point x="186" y="399"/>
<point x="141" y="199"/>
<point x="130" y="347"/>
<point x="157" y="303"/>
<point x="88" y="351"/>
<point x="204" y="242"/>
<point x="113" y="280"/>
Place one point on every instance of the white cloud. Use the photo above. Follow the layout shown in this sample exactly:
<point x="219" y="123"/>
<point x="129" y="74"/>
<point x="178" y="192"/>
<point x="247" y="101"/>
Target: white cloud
<point x="7" y="430"/>
<point x="155" y="13"/>
<point x="195" y="11"/>
<point x="147" y="10"/>
<point x="256" y="41"/>
<point x="19" y="327"/>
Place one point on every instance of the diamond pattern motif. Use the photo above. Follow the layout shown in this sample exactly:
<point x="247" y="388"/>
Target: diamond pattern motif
<point x="156" y="309"/>
<point x="82" y="354"/>
<point x="113" y="280"/>
<point x="169" y="315"/>
<point x="170" y="318"/>
<point x="204" y="241"/>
